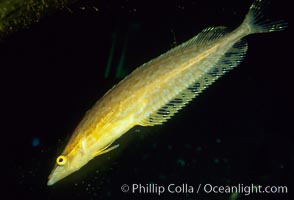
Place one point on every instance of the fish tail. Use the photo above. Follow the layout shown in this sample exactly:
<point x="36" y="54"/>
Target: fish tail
<point x="258" y="23"/>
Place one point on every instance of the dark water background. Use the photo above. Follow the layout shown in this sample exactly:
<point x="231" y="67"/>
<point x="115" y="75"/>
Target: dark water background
<point x="238" y="131"/>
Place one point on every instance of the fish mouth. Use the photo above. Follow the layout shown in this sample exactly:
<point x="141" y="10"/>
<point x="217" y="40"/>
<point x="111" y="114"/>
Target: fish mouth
<point x="51" y="179"/>
<point x="50" y="182"/>
<point x="56" y="175"/>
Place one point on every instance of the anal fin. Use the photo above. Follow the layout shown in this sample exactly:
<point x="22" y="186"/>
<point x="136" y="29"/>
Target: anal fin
<point x="229" y="60"/>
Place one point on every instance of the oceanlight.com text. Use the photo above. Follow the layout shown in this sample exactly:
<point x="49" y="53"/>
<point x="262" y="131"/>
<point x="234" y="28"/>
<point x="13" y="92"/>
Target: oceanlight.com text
<point x="153" y="188"/>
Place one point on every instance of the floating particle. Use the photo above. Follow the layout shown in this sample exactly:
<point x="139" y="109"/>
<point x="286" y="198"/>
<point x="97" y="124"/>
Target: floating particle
<point x="35" y="142"/>
<point x="216" y="161"/>
<point x="181" y="162"/>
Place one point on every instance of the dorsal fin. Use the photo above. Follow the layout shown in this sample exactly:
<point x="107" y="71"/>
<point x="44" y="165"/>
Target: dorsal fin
<point x="229" y="60"/>
<point x="208" y="35"/>
<point x="204" y="38"/>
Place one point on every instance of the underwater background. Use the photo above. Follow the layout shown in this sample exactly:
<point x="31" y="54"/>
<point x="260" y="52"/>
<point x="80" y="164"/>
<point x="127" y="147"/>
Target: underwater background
<point x="238" y="131"/>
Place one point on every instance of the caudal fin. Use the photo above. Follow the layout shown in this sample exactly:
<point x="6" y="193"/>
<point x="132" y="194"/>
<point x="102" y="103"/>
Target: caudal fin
<point x="258" y="23"/>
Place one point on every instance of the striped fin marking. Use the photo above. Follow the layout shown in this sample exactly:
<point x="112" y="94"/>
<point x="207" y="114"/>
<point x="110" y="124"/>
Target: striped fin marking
<point x="228" y="61"/>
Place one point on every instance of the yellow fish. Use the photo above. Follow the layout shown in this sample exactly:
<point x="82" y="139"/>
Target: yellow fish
<point x="158" y="89"/>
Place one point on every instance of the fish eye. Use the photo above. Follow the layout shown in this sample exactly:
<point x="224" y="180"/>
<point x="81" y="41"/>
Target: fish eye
<point x="61" y="160"/>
